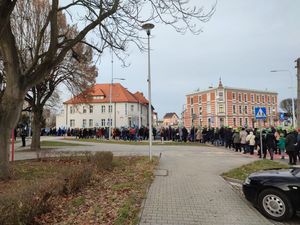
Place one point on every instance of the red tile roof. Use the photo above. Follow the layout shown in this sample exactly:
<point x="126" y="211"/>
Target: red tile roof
<point x="141" y="98"/>
<point x="102" y="91"/>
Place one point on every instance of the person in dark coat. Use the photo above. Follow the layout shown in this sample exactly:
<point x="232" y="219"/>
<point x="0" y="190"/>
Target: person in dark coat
<point x="290" y="146"/>
<point x="270" y="142"/>
<point x="23" y="136"/>
<point x="184" y="134"/>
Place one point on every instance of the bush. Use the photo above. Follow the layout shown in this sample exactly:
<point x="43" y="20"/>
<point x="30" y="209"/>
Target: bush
<point x="25" y="202"/>
<point x="103" y="160"/>
<point x="76" y="178"/>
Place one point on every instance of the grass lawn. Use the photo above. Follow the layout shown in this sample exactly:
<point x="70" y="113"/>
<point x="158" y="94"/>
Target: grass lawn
<point x="242" y="172"/>
<point x="58" y="143"/>
<point x="167" y="143"/>
<point x="111" y="197"/>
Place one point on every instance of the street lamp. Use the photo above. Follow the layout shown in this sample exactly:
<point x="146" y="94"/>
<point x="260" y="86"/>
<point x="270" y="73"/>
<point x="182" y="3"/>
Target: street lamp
<point x="110" y="105"/>
<point x="293" y="102"/>
<point x="148" y="27"/>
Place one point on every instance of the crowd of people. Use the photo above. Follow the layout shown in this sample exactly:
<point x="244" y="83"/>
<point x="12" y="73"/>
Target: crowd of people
<point x="246" y="140"/>
<point x="266" y="141"/>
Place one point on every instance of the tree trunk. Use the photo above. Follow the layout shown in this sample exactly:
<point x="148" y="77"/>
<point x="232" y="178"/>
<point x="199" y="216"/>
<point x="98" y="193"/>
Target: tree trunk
<point x="10" y="109"/>
<point x="36" y="128"/>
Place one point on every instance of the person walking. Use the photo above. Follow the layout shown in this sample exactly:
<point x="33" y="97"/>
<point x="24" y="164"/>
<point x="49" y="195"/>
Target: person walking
<point x="237" y="141"/>
<point x="23" y="136"/>
<point x="281" y="145"/>
<point x="243" y="135"/>
<point x="199" y="135"/>
<point x="250" y="139"/>
<point x="290" y="143"/>
<point x="270" y="142"/>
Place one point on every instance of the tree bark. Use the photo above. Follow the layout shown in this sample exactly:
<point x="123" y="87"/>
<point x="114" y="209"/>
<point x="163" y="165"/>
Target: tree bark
<point x="36" y="128"/>
<point x="10" y="109"/>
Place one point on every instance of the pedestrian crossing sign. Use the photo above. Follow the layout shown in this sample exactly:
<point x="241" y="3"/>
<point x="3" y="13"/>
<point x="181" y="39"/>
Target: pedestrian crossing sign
<point x="260" y="113"/>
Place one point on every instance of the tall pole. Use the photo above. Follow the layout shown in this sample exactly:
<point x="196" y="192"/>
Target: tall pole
<point x="148" y="28"/>
<point x="298" y="92"/>
<point x="149" y="93"/>
<point x="110" y="95"/>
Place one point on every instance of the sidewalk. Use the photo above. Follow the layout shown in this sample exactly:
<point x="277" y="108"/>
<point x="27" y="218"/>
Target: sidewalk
<point x="193" y="193"/>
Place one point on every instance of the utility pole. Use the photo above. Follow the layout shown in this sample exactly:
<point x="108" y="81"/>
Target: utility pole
<point x="298" y="92"/>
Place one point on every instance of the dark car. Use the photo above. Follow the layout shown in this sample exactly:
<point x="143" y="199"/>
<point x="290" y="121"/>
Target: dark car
<point x="276" y="193"/>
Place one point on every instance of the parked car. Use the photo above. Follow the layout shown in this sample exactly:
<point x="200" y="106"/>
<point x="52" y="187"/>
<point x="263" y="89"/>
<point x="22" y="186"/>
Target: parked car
<point x="276" y="193"/>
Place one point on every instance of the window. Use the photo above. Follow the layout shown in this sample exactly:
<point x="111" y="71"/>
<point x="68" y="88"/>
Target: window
<point x="257" y="98"/>
<point x="91" y="124"/>
<point x="270" y="112"/>
<point x="200" y="110"/>
<point x="269" y="99"/>
<point x="234" y="122"/>
<point x="103" y="108"/>
<point x="103" y="122"/>
<point x="84" y="123"/>
<point x="192" y="101"/>
<point x="84" y="109"/>
<point x="240" y="109"/>
<point x="91" y="109"/>
<point x="220" y="96"/>
<point x="241" y="122"/>
<point x="72" y="110"/>
<point x="246" y="121"/>
<point x="110" y="108"/>
<point x="273" y="111"/>
<point x="192" y="112"/>
<point x="125" y="108"/>
<point x="240" y="97"/>
<point x="246" y="109"/>
<point x="72" y="123"/>
<point x="263" y="99"/>
<point x="252" y="98"/>
<point x="199" y="99"/>
<point x="221" y="108"/>
<point x="233" y="109"/>
<point x="109" y="122"/>
<point x="273" y="100"/>
<point x="132" y="108"/>
<point x="253" y="110"/>
<point x="245" y="97"/>
<point x="233" y="96"/>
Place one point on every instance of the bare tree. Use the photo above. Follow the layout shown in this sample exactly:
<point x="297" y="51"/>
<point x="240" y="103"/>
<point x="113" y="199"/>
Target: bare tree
<point x="116" y="23"/>
<point x="287" y="106"/>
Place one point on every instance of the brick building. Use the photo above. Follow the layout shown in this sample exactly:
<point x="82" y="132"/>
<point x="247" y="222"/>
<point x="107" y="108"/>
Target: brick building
<point x="227" y="106"/>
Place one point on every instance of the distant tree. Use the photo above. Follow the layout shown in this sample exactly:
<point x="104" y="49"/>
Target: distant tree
<point x="287" y="106"/>
<point x="116" y="23"/>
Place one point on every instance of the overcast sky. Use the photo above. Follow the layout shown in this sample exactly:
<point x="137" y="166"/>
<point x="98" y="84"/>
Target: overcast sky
<point x="242" y="42"/>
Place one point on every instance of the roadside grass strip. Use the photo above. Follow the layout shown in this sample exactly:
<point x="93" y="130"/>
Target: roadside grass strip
<point x="244" y="171"/>
<point x="143" y="142"/>
<point x="76" y="190"/>
<point x="58" y="143"/>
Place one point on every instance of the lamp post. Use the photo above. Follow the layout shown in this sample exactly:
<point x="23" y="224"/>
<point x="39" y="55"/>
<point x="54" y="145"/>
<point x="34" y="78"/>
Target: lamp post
<point x="148" y="27"/>
<point x="110" y="108"/>
<point x="293" y="101"/>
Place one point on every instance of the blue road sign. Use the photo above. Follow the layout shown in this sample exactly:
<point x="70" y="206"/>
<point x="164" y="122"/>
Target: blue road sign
<point x="281" y="117"/>
<point x="260" y="113"/>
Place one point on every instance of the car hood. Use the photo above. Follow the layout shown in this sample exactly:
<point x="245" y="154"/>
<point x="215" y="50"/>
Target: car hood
<point x="273" y="174"/>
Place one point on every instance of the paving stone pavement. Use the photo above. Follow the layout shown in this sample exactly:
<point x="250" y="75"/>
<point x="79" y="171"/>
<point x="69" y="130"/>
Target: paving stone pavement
<point x="193" y="193"/>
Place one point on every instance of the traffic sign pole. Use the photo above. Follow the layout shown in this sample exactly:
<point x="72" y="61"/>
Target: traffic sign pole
<point x="261" y="142"/>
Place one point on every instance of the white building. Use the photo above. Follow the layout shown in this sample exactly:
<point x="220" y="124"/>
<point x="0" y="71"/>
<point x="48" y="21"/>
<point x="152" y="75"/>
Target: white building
<point x="92" y="108"/>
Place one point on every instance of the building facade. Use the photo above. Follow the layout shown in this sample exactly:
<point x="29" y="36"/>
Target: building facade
<point x="93" y="108"/>
<point x="226" y="106"/>
<point x="170" y="119"/>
